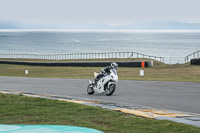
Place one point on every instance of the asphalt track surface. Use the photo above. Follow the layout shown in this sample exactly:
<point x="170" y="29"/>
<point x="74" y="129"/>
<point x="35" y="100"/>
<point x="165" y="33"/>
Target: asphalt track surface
<point x="179" y="96"/>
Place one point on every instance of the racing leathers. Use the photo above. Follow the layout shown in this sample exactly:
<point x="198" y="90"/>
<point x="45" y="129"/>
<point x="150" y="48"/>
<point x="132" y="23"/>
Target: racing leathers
<point x="103" y="71"/>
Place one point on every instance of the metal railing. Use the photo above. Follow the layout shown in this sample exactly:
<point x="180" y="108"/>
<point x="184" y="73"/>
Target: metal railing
<point x="174" y="60"/>
<point x="192" y="56"/>
<point x="104" y="55"/>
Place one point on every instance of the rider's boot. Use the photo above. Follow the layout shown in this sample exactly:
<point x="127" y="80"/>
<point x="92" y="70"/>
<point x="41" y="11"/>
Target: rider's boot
<point x="95" y="82"/>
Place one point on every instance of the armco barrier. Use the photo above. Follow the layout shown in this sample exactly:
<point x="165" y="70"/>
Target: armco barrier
<point x="82" y="64"/>
<point x="195" y="61"/>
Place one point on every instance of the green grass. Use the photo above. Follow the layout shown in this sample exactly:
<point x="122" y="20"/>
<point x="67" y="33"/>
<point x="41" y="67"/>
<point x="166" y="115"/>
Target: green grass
<point x="159" y="72"/>
<point x="18" y="109"/>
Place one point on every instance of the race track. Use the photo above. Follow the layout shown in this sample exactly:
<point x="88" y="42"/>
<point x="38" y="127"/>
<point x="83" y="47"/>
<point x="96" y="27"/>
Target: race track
<point x="180" y="96"/>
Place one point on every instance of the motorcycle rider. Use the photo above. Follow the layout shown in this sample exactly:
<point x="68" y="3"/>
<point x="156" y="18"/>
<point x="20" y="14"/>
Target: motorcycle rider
<point x="106" y="70"/>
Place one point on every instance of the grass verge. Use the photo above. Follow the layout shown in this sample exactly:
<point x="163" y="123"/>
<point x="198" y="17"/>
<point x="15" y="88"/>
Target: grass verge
<point x="19" y="109"/>
<point x="160" y="72"/>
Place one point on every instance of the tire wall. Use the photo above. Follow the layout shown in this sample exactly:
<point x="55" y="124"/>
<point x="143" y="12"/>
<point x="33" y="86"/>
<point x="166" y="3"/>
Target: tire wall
<point x="82" y="64"/>
<point x="195" y="61"/>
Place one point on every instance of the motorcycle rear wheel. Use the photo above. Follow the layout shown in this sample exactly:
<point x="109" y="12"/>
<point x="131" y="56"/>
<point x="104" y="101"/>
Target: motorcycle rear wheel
<point x="90" y="90"/>
<point x="109" y="91"/>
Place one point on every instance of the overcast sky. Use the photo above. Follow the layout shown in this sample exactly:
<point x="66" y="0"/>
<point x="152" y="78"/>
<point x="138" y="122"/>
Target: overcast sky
<point x="113" y="12"/>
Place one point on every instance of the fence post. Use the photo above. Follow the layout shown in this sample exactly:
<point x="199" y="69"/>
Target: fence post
<point x="185" y="60"/>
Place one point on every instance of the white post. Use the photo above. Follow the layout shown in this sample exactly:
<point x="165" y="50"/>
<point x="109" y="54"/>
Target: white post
<point x="26" y="71"/>
<point x="141" y="72"/>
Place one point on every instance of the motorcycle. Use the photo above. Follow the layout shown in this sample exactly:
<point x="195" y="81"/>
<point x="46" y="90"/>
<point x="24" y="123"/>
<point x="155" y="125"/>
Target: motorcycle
<point x="106" y="85"/>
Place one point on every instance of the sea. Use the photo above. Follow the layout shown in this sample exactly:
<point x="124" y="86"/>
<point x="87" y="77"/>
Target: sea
<point x="162" y="43"/>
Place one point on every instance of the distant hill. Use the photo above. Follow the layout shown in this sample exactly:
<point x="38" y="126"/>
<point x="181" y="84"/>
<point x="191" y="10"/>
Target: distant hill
<point x="9" y="25"/>
<point x="157" y="25"/>
<point x="171" y="25"/>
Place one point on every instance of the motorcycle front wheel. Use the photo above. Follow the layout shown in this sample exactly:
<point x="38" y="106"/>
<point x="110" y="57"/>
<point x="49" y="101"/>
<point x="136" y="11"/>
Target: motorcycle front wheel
<point x="90" y="90"/>
<point x="110" y="90"/>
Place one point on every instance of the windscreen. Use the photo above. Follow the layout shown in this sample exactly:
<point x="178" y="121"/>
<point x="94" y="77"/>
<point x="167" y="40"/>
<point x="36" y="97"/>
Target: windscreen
<point x="114" y="71"/>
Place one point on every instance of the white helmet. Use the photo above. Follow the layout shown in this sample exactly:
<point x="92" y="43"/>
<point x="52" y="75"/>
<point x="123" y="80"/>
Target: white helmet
<point x="114" y="65"/>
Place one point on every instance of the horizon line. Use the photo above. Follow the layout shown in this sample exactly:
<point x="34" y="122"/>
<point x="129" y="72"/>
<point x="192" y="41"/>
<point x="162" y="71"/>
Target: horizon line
<point x="108" y="30"/>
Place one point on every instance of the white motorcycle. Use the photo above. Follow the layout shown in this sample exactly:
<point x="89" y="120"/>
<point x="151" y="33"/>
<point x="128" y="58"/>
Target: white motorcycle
<point x="106" y="85"/>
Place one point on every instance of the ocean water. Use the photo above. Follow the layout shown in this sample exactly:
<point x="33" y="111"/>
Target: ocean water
<point x="153" y="43"/>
